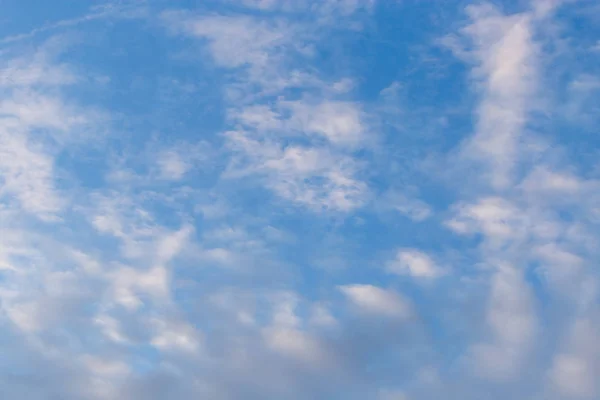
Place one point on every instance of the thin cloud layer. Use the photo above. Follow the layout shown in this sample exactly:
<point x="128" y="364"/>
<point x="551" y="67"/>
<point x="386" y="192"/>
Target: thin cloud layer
<point x="270" y="199"/>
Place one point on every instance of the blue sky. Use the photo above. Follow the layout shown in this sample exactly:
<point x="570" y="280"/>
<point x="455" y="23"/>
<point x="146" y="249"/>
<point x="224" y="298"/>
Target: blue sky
<point x="278" y="199"/>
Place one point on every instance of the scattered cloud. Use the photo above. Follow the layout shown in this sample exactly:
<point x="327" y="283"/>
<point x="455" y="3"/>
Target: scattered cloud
<point x="414" y="263"/>
<point x="227" y="242"/>
<point x="505" y="71"/>
<point x="374" y="300"/>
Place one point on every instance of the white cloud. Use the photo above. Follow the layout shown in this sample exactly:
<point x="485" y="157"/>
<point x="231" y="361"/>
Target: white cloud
<point x="33" y="110"/>
<point x="268" y="140"/>
<point x="543" y="181"/>
<point x="284" y="310"/>
<point x="315" y="176"/>
<point x="318" y="176"/>
<point x="171" y="244"/>
<point x="326" y="9"/>
<point x="404" y="203"/>
<point x="322" y="317"/>
<point x="28" y="174"/>
<point x="573" y="376"/>
<point x="172" y="166"/>
<point x="563" y="269"/>
<point x="82" y="300"/>
<point x="338" y="122"/>
<point x="330" y="186"/>
<point x="111" y="327"/>
<point x="26" y="316"/>
<point x="104" y="374"/>
<point x="414" y="263"/>
<point x="512" y="322"/>
<point x="495" y="217"/>
<point x="518" y="215"/>
<point x="35" y="123"/>
<point x="128" y="284"/>
<point x="104" y="367"/>
<point x="374" y="300"/>
<point x="413" y="208"/>
<point x="575" y="367"/>
<point x="36" y="70"/>
<point x="344" y="85"/>
<point x="543" y="8"/>
<point x="141" y="237"/>
<point x="239" y="305"/>
<point x="234" y="41"/>
<point x="506" y="75"/>
<point x="171" y="335"/>
<point x="296" y="344"/>
<point x="580" y="103"/>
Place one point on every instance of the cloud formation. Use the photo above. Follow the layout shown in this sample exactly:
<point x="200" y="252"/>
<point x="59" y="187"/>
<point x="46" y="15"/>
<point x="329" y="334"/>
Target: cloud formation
<point x="270" y="199"/>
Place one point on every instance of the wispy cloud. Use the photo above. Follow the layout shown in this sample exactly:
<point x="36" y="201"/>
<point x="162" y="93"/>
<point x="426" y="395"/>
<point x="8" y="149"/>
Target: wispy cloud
<point x="36" y="120"/>
<point x="272" y="141"/>
<point x="373" y="300"/>
<point x="277" y="228"/>
<point x="414" y="263"/>
<point x="506" y="68"/>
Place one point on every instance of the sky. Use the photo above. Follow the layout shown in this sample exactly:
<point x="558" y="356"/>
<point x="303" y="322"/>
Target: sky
<point x="298" y="199"/>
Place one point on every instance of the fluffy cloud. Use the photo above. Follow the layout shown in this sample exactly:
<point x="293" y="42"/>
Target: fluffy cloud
<point x="373" y="300"/>
<point x="414" y="263"/>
